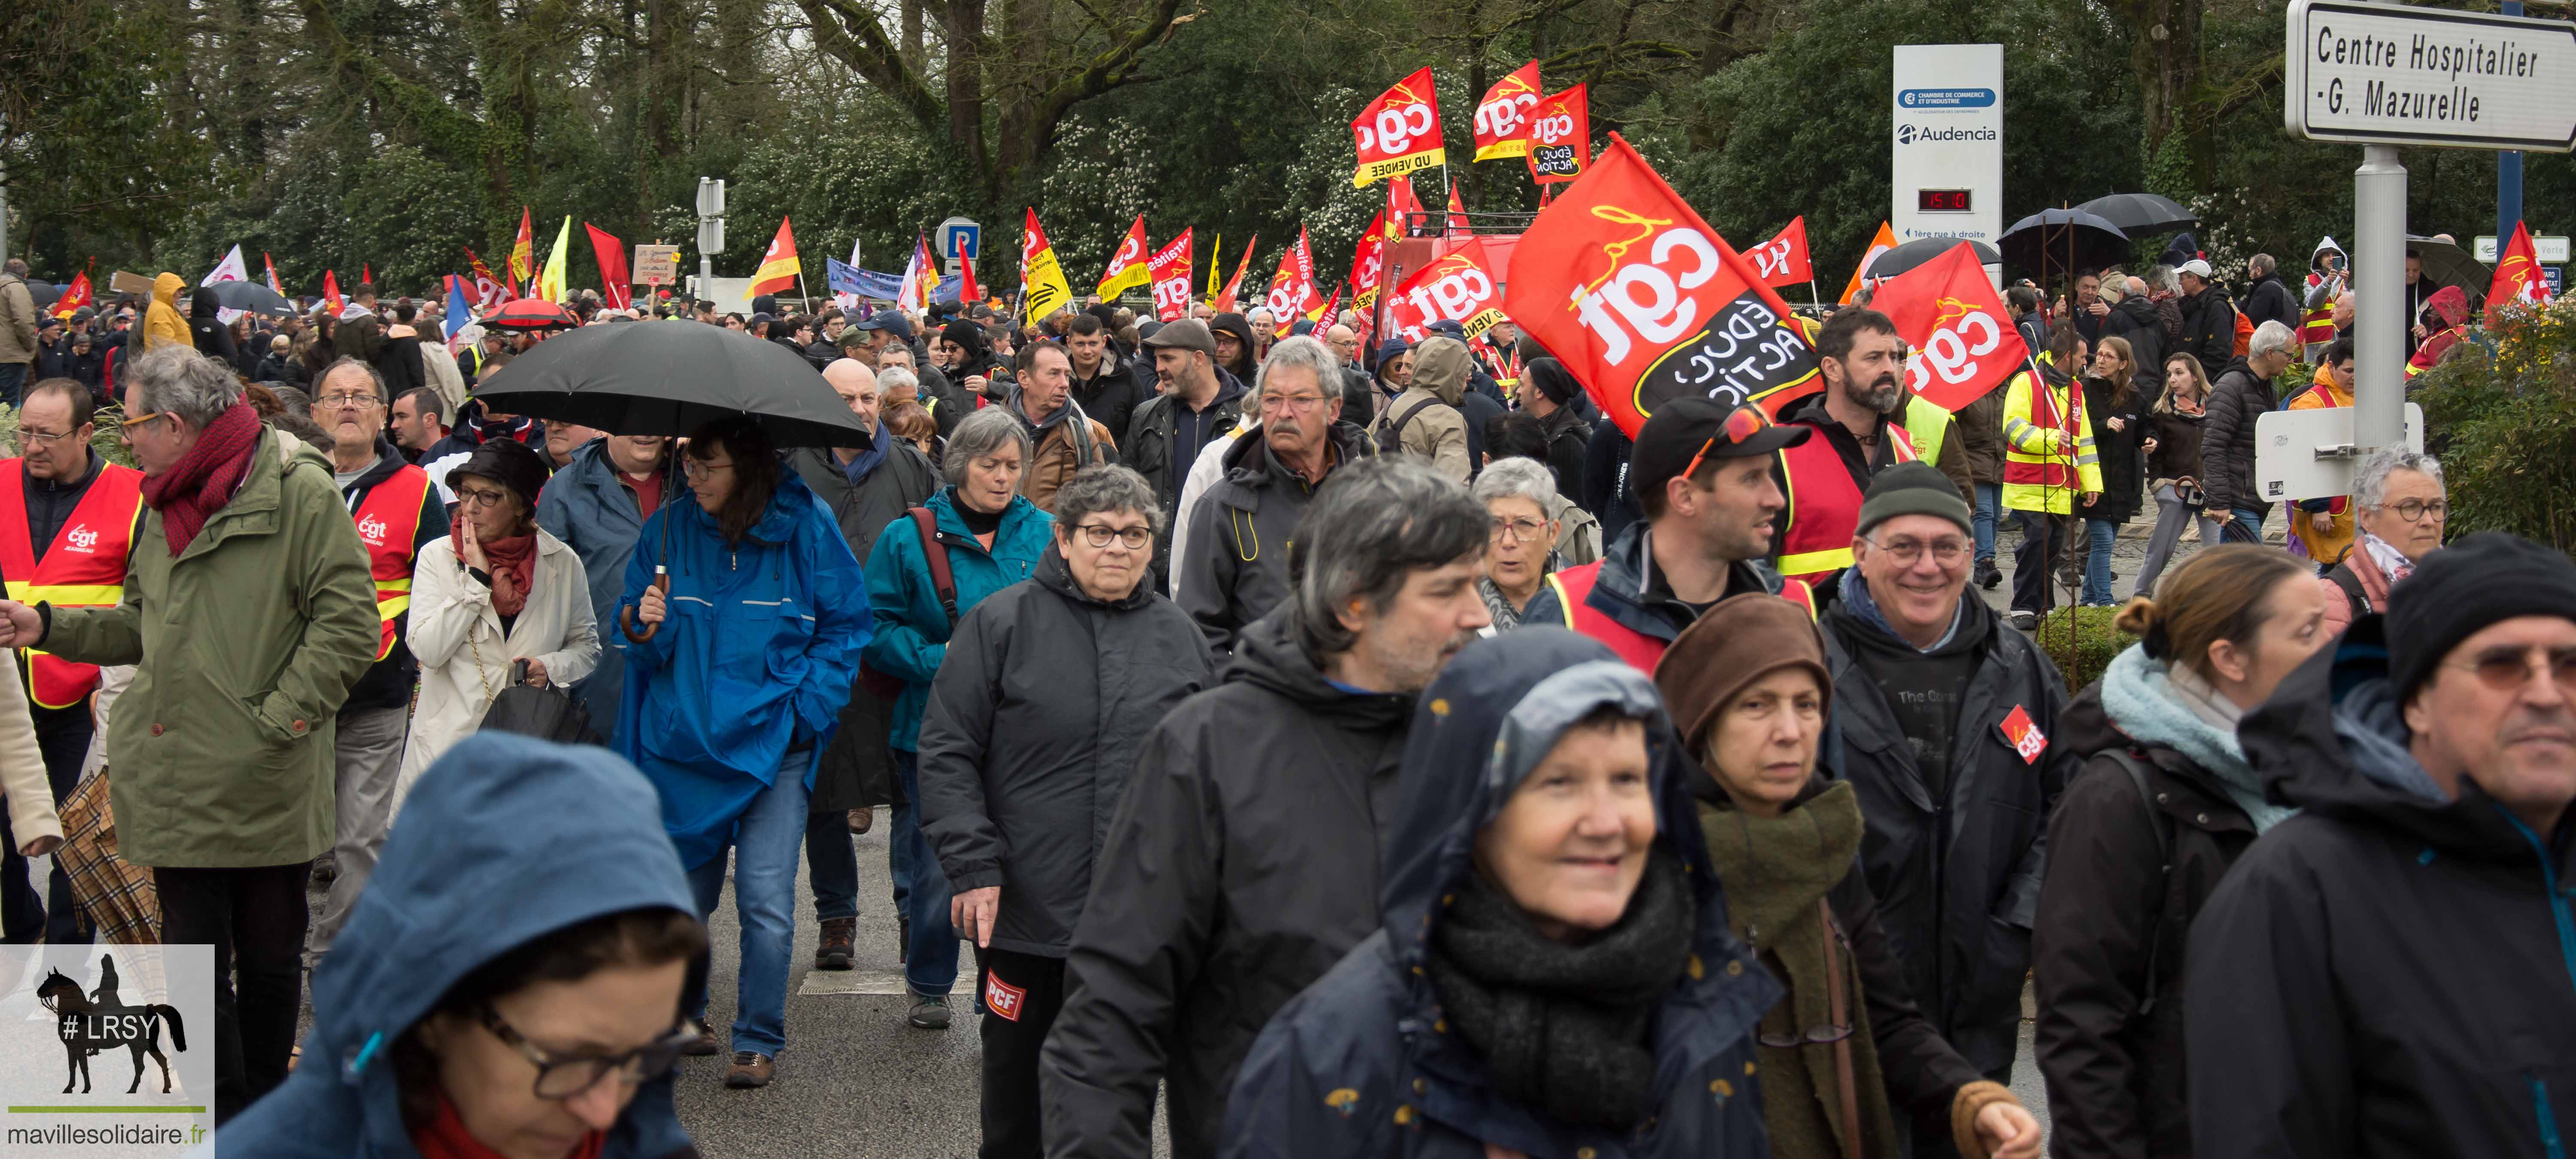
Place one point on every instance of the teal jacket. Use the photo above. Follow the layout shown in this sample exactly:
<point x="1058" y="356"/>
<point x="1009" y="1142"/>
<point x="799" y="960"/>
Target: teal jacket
<point x="911" y="628"/>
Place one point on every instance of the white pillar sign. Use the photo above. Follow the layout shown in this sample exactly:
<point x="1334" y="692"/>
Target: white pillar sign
<point x="1947" y="176"/>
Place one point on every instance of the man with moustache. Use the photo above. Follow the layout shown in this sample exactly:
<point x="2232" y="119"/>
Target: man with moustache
<point x="1825" y="477"/>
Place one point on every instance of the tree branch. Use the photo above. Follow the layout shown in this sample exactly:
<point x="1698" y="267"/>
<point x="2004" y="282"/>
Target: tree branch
<point x="850" y="34"/>
<point x="1109" y="70"/>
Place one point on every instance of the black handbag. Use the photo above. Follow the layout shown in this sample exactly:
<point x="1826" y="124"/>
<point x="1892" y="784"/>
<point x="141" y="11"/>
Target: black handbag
<point x="547" y="713"/>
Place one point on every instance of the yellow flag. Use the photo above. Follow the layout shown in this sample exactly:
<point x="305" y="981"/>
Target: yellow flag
<point x="550" y="284"/>
<point x="1042" y="286"/>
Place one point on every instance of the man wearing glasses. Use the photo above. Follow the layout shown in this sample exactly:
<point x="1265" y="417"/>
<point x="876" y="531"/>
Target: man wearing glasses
<point x="396" y="510"/>
<point x="1942" y="719"/>
<point x="1236" y="568"/>
<point x="2393" y="970"/>
<point x="67" y="520"/>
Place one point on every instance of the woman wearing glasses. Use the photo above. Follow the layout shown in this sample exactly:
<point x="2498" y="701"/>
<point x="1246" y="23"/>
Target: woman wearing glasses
<point x="1845" y="1055"/>
<point x="2399" y="514"/>
<point x="546" y="1024"/>
<point x="2145" y="831"/>
<point x="734" y="693"/>
<point x="1518" y="493"/>
<point x="495" y="602"/>
<point x="1035" y="721"/>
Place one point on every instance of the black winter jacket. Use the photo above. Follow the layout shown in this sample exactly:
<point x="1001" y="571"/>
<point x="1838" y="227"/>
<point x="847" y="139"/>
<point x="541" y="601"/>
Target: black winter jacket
<point x="2122" y="452"/>
<point x="2107" y="953"/>
<point x="2236" y="399"/>
<point x="388" y="682"/>
<point x="2135" y="320"/>
<point x="1242" y="863"/>
<point x="2389" y="973"/>
<point x="1606" y="493"/>
<point x="2208" y="331"/>
<point x="1363" y="1064"/>
<point x="1034" y="723"/>
<point x="1957" y="879"/>
<point x="1568" y="437"/>
<point x="1112" y="396"/>
<point x="1239" y="534"/>
<point x="2270" y="301"/>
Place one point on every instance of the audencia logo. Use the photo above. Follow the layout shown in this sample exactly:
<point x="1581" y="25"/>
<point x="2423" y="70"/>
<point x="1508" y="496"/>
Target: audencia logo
<point x="1905" y="134"/>
<point x="1914" y="134"/>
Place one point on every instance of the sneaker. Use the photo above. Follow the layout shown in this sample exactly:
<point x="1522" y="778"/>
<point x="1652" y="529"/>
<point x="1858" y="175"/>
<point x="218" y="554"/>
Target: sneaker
<point x="929" y="1013"/>
<point x="705" y="1043"/>
<point x="2024" y="621"/>
<point x="749" y="1069"/>
<point x="834" y="952"/>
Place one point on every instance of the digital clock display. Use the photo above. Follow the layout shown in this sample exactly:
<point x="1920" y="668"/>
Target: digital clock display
<point x="1941" y="201"/>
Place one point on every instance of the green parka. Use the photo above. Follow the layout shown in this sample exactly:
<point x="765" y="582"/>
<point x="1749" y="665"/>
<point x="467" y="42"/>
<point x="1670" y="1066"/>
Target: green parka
<point x="246" y="644"/>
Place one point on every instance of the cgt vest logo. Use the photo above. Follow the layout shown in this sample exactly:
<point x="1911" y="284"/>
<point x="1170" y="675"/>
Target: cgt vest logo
<point x="81" y="539"/>
<point x="372" y="529"/>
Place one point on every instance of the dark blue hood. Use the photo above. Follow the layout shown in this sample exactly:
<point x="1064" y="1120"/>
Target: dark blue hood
<point x="504" y="840"/>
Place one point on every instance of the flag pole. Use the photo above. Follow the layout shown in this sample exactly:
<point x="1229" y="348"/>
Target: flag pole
<point x="1811" y="287"/>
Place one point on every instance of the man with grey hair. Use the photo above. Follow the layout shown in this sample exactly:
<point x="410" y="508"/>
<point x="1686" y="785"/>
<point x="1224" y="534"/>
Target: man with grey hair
<point x="397" y="511"/>
<point x="2237" y="397"/>
<point x="1244" y="858"/>
<point x="249" y="616"/>
<point x="2399" y="512"/>
<point x="1237" y="566"/>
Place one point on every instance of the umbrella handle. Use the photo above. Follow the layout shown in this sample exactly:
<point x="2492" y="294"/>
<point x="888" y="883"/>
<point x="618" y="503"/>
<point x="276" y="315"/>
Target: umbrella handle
<point x="626" y="615"/>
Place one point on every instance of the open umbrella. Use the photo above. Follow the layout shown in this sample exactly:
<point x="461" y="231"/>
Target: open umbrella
<point x="2062" y="240"/>
<point x="2449" y="265"/>
<point x="532" y="314"/>
<point x="43" y="294"/>
<point x="253" y="297"/>
<point x="670" y="378"/>
<point x="1924" y="249"/>
<point x="2141" y="214"/>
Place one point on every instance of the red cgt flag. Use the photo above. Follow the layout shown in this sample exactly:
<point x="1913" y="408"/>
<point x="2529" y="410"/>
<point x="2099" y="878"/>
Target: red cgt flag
<point x="1560" y="136"/>
<point x="1171" y="279"/>
<point x="1399" y="132"/>
<point x="1292" y="289"/>
<point x="2517" y="275"/>
<point x="1645" y="303"/>
<point x="1224" y="302"/>
<point x="1502" y="117"/>
<point x="613" y="283"/>
<point x="1782" y="261"/>
<point x="331" y="294"/>
<point x="1127" y="267"/>
<point x="77" y="295"/>
<point x="1459" y="287"/>
<point x="1964" y="342"/>
<point x="967" y="291"/>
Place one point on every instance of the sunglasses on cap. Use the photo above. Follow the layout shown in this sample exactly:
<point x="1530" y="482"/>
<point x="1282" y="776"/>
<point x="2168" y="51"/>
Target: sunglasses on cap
<point x="1746" y="421"/>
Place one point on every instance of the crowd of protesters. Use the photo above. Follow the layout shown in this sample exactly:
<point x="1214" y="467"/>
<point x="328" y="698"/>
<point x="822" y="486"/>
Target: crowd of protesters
<point x="1348" y="750"/>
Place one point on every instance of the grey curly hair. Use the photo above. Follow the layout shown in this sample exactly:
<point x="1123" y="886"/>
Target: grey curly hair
<point x="983" y="433"/>
<point x="179" y="381"/>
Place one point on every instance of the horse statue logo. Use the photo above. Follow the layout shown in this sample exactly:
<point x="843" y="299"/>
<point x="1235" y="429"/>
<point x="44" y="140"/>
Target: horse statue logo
<point x="89" y="1023"/>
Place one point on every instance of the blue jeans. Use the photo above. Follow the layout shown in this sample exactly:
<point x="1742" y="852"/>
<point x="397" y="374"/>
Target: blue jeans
<point x="832" y="865"/>
<point x="768" y="840"/>
<point x="930" y="960"/>
<point x="2251" y="519"/>
<point x="13" y="380"/>
<point x="2097" y="565"/>
<point x="1990" y="499"/>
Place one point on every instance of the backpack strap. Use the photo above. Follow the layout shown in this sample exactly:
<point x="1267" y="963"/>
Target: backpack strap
<point x="1393" y="437"/>
<point x="2350" y="581"/>
<point x="2136" y="767"/>
<point x="935" y="553"/>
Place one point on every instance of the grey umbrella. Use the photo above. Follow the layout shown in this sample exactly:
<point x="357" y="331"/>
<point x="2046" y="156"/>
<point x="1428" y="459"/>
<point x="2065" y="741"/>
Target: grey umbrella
<point x="2141" y="214"/>
<point x="2061" y="241"/>
<point x="2449" y="265"/>
<point x="253" y="297"/>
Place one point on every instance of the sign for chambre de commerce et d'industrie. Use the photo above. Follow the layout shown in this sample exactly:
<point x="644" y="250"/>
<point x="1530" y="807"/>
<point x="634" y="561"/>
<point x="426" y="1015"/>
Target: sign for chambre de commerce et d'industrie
<point x="106" y="1051"/>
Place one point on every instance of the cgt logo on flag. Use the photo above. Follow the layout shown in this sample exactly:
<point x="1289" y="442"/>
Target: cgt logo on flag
<point x="1459" y="287"/>
<point x="1399" y="131"/>
<point x="1948" y="311"/>
<point x="1502" y="117"/>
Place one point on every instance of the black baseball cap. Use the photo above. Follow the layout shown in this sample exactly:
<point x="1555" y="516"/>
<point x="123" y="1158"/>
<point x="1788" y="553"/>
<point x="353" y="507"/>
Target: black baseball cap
<point x="1686" y="431"/>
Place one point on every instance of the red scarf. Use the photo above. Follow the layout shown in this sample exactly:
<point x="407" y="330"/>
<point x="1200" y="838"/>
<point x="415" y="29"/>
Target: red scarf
<point x="445" y="1138"/>
<point x="204" y="479"/>
<point x="513" y="561"/>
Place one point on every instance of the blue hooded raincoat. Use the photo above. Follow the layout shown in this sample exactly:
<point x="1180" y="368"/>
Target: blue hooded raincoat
<point x="756" y="654"/>
<point x="475" y="867"/>
<point x="1362" y="1063"/>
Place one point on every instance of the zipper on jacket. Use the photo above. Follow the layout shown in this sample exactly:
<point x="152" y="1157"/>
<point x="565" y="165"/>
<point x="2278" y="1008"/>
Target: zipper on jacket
<point x="2550" y="1144"/>
<point x="2558" y="910"/>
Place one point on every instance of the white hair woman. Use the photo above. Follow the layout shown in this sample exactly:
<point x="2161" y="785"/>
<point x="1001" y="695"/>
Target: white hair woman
<point x="1518" y="494"/>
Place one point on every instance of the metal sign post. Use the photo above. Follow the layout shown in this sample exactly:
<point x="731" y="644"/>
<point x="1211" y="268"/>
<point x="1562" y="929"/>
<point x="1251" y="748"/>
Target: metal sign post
<point x="711" y="239"/>
<point x="2385" y="75"/>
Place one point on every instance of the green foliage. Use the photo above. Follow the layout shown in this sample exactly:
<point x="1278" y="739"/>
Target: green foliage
<point x="96" y="137"/>
<point x="2081" y="641"/>
<point x="2501" y="415"/>
<point x="107" y="440"/>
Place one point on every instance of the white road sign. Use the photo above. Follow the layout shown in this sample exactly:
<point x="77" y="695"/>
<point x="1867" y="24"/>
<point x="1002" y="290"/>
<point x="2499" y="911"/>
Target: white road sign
<point x="2394" y="75"/>
<point x="2552" y="248"/>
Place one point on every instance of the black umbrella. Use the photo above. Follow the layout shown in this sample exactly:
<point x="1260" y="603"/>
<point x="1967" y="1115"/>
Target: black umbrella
<point x="670" y="378"/>
<point x="2449" y="265"/>
<point x="43" y="294"/>
<point x="1924" y="249"/>
<point x="2141" y="214"/>
<point x="253" y="297"/>
<point x="2061" y="241"/>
